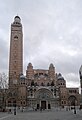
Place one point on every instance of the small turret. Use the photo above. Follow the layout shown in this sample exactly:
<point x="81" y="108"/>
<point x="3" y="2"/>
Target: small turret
<point x="51" y="73"/>
<point x="59" y="77"/>
<point x="30" y="66"/>
<point x="30" y="71"/>
<point x="61" y="81"/>
<point x="51" y="67"/>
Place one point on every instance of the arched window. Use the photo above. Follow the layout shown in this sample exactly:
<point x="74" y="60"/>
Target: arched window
<point x="48" y="84"/>
<point x="32" y="83"/>
<point x="42" y="84"/>
<point x="62" y="102"/>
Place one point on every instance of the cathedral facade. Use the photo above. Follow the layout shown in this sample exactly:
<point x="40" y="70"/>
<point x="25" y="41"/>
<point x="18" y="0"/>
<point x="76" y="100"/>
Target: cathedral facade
<point x="39" y="88"/>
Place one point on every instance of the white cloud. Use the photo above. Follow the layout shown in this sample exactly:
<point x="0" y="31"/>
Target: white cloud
<point x="72" y="80"/>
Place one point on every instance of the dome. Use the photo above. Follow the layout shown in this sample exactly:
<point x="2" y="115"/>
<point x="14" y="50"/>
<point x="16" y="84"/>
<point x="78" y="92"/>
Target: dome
<point x="22" y="77"/>
<point x="17" y="19"/>
<point x="51" y="65"/>
<point x="30" y="64"/>
<point x="59" y="77"/>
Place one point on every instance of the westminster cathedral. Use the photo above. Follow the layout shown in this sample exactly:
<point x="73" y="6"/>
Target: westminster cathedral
<point x="38" y="88"/>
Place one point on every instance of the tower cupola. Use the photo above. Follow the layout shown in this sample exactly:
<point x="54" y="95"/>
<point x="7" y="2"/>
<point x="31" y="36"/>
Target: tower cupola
<point x="17" y="20"/>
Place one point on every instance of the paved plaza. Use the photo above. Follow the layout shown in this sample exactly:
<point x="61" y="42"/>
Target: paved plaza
<point x="44" y="115"/>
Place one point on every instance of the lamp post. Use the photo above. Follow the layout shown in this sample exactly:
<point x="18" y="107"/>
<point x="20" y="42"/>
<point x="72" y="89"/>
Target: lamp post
<point x="75" y="107"/>
<point x="69" y="104"/>
<point x="14" y="108"/>
<point x="80" y="74"/>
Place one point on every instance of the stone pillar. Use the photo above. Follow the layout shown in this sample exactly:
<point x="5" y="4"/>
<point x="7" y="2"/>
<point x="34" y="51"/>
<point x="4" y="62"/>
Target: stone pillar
<point x="40" y="103"/>
<point x="46" y="104"/>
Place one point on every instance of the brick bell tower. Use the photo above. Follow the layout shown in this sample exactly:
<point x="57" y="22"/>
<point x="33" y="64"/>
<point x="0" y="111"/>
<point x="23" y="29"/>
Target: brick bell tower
<point x="16" y="51"/>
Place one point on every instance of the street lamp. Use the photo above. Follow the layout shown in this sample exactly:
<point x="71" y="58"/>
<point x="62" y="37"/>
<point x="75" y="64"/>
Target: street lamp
<point x="14" y="107"/>
<point x="69" y="103"/>
<point x="80" y="74"/>
<point x="74" y="106"/>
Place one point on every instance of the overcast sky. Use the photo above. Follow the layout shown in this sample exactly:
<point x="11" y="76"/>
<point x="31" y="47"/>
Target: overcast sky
<point x="52" y="34"/>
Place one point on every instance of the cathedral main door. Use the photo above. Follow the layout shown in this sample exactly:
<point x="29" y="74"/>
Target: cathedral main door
<point x="43" y="97"/>
<point x="43" y="105"/>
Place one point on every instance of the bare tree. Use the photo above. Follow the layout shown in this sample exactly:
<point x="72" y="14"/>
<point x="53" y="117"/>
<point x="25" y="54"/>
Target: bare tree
<point x="3" y="81"/>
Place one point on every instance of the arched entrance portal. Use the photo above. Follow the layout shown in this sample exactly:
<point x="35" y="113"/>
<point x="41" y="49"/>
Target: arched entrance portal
<point x="43" y="97"/>
<point x="72" y="100"/>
